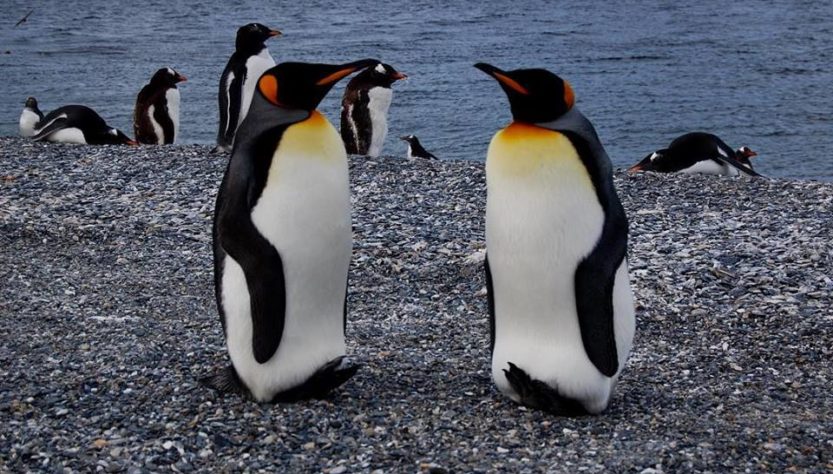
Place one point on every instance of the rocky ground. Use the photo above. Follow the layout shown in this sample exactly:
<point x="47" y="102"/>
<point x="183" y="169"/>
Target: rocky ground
<point x="107" y="321"/>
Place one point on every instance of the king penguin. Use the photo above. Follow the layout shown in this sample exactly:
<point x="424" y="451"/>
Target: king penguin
<point x="282" y="241"/>
<point x="250" y="59"/>
<point x="698" y="153"/>
<point x="560" y="302"/>
<point x="30" y="117"/>
<point x="364" y="109"/>
<point x="156" y="114"/>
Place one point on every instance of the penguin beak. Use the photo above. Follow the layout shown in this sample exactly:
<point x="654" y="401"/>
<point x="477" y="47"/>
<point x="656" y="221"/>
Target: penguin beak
<point x="751" y="153"/>
<point x="344" y="70"/>
<point x="503" y="77"/>
<point x="644" y="165"/>
<point x="273" y="33"/>
<point x="399" y="76"/>
<point x="132" y="143"/>
<point x="181" y="78"/>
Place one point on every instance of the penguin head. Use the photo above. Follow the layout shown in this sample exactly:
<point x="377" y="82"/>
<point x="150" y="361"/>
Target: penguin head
<point x="113" y="136"/>
<point x="535" y="95"/>
<point x="380" y="75"/>
<point x="302" y="86"/>
<point x="251" y="37"/>
<point x="167" y="77"/>
<point x="408" y="138"/>
<point x="31" y="103"/>
<point x="655" y="161"/>
<point x="743" y="155"/>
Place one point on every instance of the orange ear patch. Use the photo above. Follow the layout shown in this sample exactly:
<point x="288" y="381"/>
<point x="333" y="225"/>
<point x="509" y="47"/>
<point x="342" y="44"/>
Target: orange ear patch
<point x="336" y="76"/>
<point x="569" y="95"/>
<point x="268" y="86"/>
<point x="511" y="83"/>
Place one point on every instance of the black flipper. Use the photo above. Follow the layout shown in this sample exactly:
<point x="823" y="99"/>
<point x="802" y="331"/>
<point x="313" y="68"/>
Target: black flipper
<point x="326" y="379"/>
<point x="225" y="381"/>
<point x="732" y="161"/>
<point x="536" y="394"/>
<point x="490" y="296"/>
<point x="237" y="236"/>
<point x="54" y="126"/>
<point x="164" y="120"/>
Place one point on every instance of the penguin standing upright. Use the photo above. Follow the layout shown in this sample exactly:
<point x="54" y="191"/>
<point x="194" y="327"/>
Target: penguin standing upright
<point x="251" y="58"/>
<point x="698" y="153"/>
<point x="364" y="109"/>
<point x="30" y="117"/>
<point x="561" y="307"/>
<point x="282" y="241"/>
<point x="78" y="124"/>
<point x="415" y="148"/>
<point x="156" y="115"/>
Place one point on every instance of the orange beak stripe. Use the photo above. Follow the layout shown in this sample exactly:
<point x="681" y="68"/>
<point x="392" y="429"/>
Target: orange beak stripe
<point x="268" y="86"/>
<point x="511" y="83"/>
<point x="335" y="77"/>
<point x="569" y="95"/>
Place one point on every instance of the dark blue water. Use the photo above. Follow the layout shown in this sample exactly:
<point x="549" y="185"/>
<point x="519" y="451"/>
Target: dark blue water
<point x="755" y="73"/>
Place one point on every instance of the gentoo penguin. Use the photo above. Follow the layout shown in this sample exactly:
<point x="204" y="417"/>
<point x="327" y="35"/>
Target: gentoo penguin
<point x="744" y="155"/>
<point x="156" y="115"/>
<point x="415" y="149"/>
<point x="78" y="124"/>
<point x="251" y="58"/>
<point x="29" y="118"/>
<point x="561" y="307"/>
<point x="364" y="109"/>
<point x="696" y="152"/>
<point x="282" y="241"/>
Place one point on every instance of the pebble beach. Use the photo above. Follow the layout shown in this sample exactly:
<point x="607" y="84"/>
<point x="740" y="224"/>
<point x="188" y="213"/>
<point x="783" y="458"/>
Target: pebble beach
<point x="108" y="321"/>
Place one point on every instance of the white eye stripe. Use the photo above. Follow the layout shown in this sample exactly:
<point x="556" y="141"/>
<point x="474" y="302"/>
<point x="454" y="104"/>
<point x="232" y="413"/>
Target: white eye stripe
<point x="380" y="68"/>
<point x="654" y="156"/>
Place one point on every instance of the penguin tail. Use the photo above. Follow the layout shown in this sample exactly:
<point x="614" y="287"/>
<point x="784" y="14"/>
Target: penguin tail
<point x="224" y="381"/>
<point x="536" y="394"/>
<point x="326" y="379"/>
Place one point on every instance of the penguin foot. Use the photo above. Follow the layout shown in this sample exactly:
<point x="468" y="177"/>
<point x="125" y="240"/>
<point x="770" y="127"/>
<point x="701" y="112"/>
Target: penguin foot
<point x="225" y="381"/>
<point x="220" y="149"/>
<point x="329" y="377"/>
<point x="536" y="394"/>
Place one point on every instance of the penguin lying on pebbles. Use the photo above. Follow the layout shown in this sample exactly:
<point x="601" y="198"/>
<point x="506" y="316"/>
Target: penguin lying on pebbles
<point x="415" y="149"/>
<point x="78" y="124"/>
<point x="560" y="302"/>
<point x="698" y="152"/>
<point x="156" y="115"/>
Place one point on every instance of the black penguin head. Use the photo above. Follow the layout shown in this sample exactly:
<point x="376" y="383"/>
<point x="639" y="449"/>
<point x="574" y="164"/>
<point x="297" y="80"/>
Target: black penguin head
<point x="167" y="77"/>
<point x="652" y="162"/>
<point x="535" y="95"/>
<point x="31" y="103"/>
<point x="409" y="138"/>
<point x="380" y="75"/>
<point x="303" y="85"/>
<point x="251" y="37"/>
<point x="112" y="136"/>
<point x="743" y="154"/>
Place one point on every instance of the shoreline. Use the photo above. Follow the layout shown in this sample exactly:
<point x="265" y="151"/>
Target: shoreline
<point x="108" y="321"/>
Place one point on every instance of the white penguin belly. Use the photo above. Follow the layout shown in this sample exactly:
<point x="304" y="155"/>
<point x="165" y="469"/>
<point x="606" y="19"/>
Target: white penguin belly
<point x="255" y="67"/>
<point x="68" y="135"/>
<point x="304" y="212"/>
<point x="711" y="167"/>
<point x="379" y="99"/>
<point x="172" y="96"/>
<point x="542" y="218"/>
<point x="28" y="121"/>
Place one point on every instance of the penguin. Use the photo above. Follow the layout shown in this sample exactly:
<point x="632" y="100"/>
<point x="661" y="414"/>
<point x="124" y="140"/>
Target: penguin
<point x="696" y="152"/>
<point x="282" y="241"/>
<point x="156" y="114"/>
<point x="29" y="118"/>
<point x="415" y="149"/>
<point x="251" y="58"/>
<point x="560" y="302"/>
<point x="364" y="109"/>
<point x="78" y="124"/>
<point x="744" y="155"/>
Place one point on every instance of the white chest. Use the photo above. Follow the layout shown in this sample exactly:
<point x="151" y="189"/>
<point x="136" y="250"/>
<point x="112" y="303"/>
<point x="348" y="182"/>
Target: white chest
<point x="68" y="135"/>
<point x="711" y="167"/>
<point x="255" y="67"/>
<point x="172" y="96"/>
<point x="379" y="100"/>
<point x="28" y="121"/>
